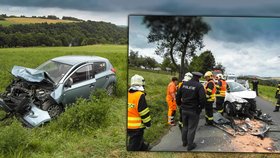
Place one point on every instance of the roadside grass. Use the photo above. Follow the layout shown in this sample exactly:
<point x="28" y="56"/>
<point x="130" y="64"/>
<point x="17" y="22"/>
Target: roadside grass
<point x="267" y="92"/>
<point x="90" y="128"/>
<point x="10" y="21"/>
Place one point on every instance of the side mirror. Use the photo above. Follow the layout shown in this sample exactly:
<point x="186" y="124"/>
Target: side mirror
<point x="68" y="83"/>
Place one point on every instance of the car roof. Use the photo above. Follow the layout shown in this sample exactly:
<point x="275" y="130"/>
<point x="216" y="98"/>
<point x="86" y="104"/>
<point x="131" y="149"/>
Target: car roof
<point x="77" y="59"/>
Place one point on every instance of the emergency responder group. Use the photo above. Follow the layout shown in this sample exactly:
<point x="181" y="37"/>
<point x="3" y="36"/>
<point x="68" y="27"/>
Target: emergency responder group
<point x="190" y="96"/>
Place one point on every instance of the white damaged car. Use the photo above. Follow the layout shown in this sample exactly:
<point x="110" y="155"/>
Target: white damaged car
<point x="240" y="101"/>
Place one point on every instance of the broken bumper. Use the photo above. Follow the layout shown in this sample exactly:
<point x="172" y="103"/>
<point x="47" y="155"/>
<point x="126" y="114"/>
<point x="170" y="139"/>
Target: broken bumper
<point x="33" y="118"/>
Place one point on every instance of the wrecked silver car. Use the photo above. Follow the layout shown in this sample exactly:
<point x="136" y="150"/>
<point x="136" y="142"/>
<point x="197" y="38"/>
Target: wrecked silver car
<point x="37" y="95"/>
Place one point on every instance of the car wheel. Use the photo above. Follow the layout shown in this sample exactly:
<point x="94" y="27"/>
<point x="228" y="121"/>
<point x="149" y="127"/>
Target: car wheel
<point x="229" y="109"/>
<point x="53" y="109"/>
<point x="111" y="89"/>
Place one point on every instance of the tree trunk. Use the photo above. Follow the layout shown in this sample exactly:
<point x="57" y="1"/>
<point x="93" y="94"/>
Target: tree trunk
<point x="182" y="69"/>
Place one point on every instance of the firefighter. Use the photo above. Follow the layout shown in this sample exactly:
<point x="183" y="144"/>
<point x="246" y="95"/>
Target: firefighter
<point x="138" y="115"/>
<point x="191" y="98"/>
<point x="188" y="76"/>
<point x="221" y="88"/>
<point x="171" y="100"/>
<point x="277" y="96"/>
<point x="210" y="90"/>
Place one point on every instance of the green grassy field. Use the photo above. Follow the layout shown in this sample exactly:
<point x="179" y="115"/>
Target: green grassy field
<point x="267" y="92"/>
<point x="10" y="21"/>
<point x="94" y="128"/>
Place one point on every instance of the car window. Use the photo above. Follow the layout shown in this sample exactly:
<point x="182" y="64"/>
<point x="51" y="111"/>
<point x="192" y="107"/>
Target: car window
<point x="82" y="74"/>
<point x="55" y="69"/>
<point x="99" y="67"/>
<point x="236" y="87"/>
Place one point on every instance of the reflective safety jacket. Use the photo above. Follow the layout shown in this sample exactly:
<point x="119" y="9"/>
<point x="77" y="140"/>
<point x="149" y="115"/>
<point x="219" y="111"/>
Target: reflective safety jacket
<point x="138" y="112"/>
<point x="221" y="88"/>
<point x="210" y="90"/>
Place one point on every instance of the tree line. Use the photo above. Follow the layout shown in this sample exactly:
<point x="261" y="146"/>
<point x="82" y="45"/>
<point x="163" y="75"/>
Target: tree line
<point x="202" y="63"/>
<point x="62" y="34"/>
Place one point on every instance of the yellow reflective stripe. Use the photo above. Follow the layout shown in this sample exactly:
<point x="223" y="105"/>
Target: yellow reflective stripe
<point x="134" y="118"/>
<point x="209" y="90"/>
<point x="209" y="118"/>
<point x="278" y="89"/>
<point x="220" y="111"/>
<point x="144" y="112"/>
<point x="134" y="124"/>
<point x="147" y="119"/>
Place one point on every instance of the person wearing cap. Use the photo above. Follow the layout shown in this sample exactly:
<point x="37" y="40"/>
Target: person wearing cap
<point x="210" y="90"/>
<point x="188" y="76"/>
<point x="191" y="98"/>
<point x="221" y="88"/>
<point x="138" y="115"/>
<point x="277" y="96"/>
<point x="171" y="100"/>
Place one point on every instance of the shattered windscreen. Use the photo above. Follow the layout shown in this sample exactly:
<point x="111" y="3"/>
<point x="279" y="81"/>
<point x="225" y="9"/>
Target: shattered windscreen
<point x="55" y="70"/>
<point x="236" y="87"/>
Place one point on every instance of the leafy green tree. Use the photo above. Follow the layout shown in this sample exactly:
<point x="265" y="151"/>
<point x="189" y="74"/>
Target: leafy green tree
<point x="219" y="66"/>
<point x="202" y="63"/>
<point x="177" y="36"/>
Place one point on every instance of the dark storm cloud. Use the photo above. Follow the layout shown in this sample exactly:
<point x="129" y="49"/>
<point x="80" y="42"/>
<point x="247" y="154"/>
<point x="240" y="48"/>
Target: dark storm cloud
<point x="216" y="7"/>
<point x="241" y="29"/>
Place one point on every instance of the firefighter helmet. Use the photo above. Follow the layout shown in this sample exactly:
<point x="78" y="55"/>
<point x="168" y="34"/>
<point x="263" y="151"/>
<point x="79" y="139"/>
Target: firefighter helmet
<point x="137" y="80"/>
<point x="187" y="76"/>
<point x="208" y="73"/>
<point x="220" y="76"/>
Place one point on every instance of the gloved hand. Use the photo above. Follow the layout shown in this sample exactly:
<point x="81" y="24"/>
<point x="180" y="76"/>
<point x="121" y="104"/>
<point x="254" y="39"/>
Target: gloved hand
<point x="147" y="127"/>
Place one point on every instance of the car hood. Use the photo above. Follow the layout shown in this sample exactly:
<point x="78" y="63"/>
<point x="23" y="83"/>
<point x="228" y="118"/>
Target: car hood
<point x="244" y="94"/>
<point x="31" y="75"/>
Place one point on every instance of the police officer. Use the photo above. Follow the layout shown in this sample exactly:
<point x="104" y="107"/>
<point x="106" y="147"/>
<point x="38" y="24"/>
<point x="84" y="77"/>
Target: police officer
<point x="138" y="115"/>
<point x="188" y="76"/>
<point x="210" y="90"/>
<point x="191" y="98"/>
<point x="277" y="96"/>
<point x="221" y="87"/>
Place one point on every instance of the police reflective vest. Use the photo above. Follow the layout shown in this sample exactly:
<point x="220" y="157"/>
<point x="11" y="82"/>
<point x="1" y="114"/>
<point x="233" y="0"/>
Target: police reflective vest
<point x="210" y="93"/>
<point x="134" y="120"/>
<point x="221" y="90"/>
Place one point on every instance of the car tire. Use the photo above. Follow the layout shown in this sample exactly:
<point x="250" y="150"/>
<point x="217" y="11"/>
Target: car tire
<point x="229" y="109"/>
<point x="111" y="89"/>
<point x="53" y="109"/>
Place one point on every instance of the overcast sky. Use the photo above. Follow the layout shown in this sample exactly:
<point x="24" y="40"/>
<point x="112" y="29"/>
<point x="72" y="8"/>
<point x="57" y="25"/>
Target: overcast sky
<point x="245" y="46"/>
<point x="244" y="42"/>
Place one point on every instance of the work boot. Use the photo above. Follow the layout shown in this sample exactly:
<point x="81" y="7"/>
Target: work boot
<point x="185" y="144"/>
<point x="191" y="147"/>
<point x="276" y="109"/>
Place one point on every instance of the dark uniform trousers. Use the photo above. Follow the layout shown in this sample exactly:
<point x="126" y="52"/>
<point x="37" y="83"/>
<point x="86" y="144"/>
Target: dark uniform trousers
<point x="136" y="140"/>
<point x="190" y="120"/>
<point x="209" y="112"/>
<point x="219" y="104"/>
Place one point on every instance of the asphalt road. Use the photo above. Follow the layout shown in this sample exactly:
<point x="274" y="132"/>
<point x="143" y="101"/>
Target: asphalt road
<point x="212" y="139"/>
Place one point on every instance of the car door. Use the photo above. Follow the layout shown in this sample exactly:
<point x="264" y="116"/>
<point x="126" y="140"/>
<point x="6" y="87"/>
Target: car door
<point x="101" y="76"/>
<point x="83" y="84"/>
